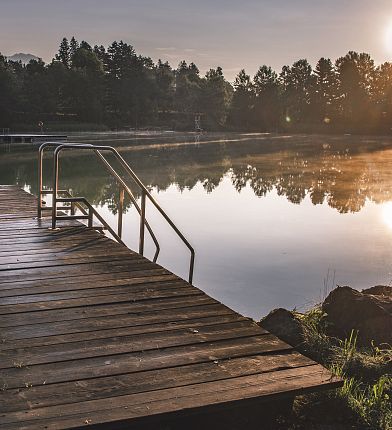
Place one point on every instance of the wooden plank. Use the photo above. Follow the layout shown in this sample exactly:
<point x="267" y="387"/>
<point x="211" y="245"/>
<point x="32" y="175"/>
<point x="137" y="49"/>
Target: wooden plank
<point x="86" y="282"/>
<point x="96" y="267"/>
<point x="32" y="232"/>
<point x="37" y="223"/>
<point x="190" y="397"/>
<point x="132" y="383"/>
<point x="122" y="329"/>
<point x="62" y="257"/>
<point x="181" y="290"/>
<point x="48" y="233"/>
<point x="16" y="215"/>
<point x="58" y="259"/>
<point x="170" y="315"/>
<point x="127" y="343"/>
<point x="125" y="288"/>
<point x="65" y="244"/>
<point x="49" y="236"/>
<point x="128" y="362"/>
<point x="45" y="233"/>
<point x="13" y="262"/>
<point x="81" y="311"/>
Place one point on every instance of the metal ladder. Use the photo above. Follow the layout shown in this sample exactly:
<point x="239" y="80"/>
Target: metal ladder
<point x="71" y="204"/>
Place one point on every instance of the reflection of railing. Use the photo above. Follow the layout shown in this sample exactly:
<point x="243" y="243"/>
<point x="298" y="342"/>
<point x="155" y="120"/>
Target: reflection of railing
<point x="88" y="211"/>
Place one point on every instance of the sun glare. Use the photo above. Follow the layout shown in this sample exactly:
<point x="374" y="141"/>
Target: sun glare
<point x="388" y="38"/>
<point x="387" y="214"/>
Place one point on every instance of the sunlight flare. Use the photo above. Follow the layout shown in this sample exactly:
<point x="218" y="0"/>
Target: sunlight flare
<point x="388" y="38"/>
<point x="387" y="214"/>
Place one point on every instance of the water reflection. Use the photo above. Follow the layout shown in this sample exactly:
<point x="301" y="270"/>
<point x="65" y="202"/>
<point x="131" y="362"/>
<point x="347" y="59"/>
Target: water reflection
<point x="269" y="216"/>
<point x="344" y="172"/>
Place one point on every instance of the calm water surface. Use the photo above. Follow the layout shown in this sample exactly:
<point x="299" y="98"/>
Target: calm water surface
<point x="275" y="220"/>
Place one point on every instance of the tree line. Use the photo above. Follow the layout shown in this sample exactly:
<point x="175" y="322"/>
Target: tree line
<point x="117" y="87"/>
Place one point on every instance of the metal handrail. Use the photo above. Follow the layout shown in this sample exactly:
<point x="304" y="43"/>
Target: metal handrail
<point x="66" y="193"/>
<point x="74" y="203"/>
<point x="144" y="192"/>
<point x="92" y="211"/>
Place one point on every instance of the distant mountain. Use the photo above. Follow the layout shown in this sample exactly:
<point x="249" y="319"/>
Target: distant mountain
<point x="24" y="58"/>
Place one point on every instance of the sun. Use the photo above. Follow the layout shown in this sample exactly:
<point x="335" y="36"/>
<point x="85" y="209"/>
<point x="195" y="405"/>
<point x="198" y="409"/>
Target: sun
<point x="388" y="38"/>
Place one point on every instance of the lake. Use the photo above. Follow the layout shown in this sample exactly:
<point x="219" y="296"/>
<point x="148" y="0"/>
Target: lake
<point x="276" y="220"/>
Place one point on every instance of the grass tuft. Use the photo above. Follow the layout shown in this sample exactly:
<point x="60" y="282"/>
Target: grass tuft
<point x="367" y="372"/>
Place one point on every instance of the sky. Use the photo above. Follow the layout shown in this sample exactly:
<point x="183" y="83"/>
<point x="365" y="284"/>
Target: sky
<point x="227" y="33"/>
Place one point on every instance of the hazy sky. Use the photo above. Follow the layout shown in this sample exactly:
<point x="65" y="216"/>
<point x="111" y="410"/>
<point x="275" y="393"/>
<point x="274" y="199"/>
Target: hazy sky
<point x="226" y="33"/>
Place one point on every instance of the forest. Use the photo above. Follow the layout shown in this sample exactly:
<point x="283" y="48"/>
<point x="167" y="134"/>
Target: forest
<point x="111" y="88"/>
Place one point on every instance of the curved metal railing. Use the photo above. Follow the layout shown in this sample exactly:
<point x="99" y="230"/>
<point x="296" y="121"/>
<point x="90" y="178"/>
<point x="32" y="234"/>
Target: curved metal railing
<point x="78" y="202"/>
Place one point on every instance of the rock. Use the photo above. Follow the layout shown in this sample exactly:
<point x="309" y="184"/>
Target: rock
<point x="283" y="324"/>
<point x="379" y="290"/>
<point x="368" y="312"/>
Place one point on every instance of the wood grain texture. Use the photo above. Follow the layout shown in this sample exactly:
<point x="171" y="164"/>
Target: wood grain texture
<point x="93" y="333"/>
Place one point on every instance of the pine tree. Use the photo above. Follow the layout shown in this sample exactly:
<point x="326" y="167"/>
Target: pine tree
<point x="73" y="47"/>
<point x="297" y="83"/>
<point x="267" y="109"/>
<point x="324" y="94"/>
<point x="355" y="76"/>
<point x="243" y="101"/>
<point x="216" y="96"/>
<point x="64" y="53"/>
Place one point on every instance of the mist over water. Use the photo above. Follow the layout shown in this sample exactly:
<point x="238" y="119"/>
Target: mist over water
<point x="276" y="221"/>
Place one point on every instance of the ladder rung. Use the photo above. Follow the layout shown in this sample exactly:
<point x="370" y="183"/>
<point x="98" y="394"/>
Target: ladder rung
<point x="64" y="208"/>
<point x="51" y="191"/>
<point x="71" y="217"/>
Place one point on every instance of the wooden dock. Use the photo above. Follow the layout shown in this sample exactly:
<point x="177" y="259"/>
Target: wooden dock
<point x="93" y="334"/>
<point x="30" y="138"/>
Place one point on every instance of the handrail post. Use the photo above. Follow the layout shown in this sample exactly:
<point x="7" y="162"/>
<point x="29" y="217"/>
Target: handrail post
<point x="120" y="211"/>
<point x="142" y="222"/>
<point x="90" y="217"/>
<point x="191" y="266"/>
<point x="39" y="208"/>
<point x="55" y="187"/>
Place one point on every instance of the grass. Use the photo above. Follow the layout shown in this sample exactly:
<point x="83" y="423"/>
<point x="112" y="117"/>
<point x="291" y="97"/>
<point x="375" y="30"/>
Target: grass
<point x="366" y="395"/>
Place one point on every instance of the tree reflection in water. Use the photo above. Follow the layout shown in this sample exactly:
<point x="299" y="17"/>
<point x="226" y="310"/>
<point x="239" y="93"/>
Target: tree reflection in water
<point x="343" y="171"/>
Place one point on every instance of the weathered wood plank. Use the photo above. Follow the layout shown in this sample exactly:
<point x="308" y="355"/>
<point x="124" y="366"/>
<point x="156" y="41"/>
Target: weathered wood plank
<point x="117" y="308"/>
<point x="39" y="273"/>
<point x="87" y="282"/>
<point x="261" y="386"/>
<point x="127" y="343"/>
<point x="132" y="383"/>
<point x="57" y="259"/>
<point x="96" y="300"/>
<point x="122" y="329"/>
<point x="27" y="331"/>
<point x="125" y="288"/>
<point x="128" y="362"/>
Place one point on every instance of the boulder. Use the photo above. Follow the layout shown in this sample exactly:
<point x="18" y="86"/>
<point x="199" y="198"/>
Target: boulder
<point x="379" y="290"/>
<point x="368" y="312"/>
<point x="283" y="324"/>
